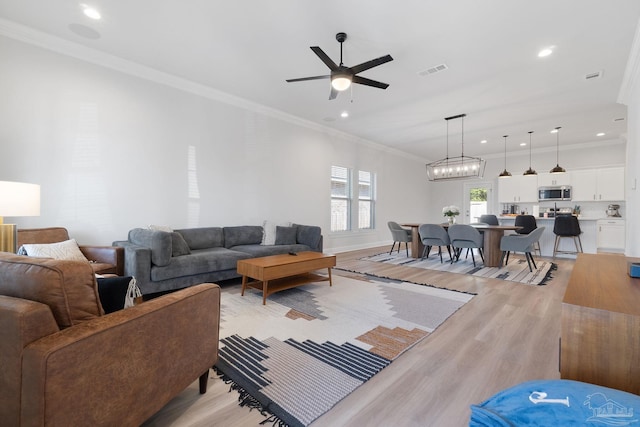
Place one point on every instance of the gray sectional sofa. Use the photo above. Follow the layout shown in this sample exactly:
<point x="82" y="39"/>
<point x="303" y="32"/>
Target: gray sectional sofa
<point x="162" y="260"/>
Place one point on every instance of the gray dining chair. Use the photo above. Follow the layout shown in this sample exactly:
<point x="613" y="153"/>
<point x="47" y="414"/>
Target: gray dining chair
<point x="528" y="224"/>
<point x="520" y="243"/>
<point x="399" y="235"/>
<point x="434" y="235"/>
<point x="465" y="236"/>
<point x="489" y="219"/>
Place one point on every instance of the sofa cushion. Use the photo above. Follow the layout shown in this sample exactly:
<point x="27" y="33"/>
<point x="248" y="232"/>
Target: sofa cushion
<point x="198" y="262"/>
<point x="179" y="246"/>
<point x="269" y="231"/>
<point x="285" y="235"/>
<point x="158" y="241"/>
<point x="242" y="235"/>
<point x="67" y="249"/>
<point x="309" y="235"/>
<point x="203" y="237"/>
<point x="265" y="250"/>
<point x="67" y="287"/>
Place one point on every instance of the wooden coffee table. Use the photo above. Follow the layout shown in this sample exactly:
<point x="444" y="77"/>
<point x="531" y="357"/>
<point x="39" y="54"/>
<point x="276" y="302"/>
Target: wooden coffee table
<point x="278" y="272"/>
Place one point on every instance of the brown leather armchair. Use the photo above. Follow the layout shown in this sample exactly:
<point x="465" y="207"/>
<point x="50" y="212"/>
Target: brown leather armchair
<point x="104" y="259"/>
<point x="63" y="362"/>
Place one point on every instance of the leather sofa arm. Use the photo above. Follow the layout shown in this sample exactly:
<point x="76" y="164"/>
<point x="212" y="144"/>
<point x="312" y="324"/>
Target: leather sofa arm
<point x="121" y="368"/>
<point x="107" y="255"/>
<point x="21" y="323"/>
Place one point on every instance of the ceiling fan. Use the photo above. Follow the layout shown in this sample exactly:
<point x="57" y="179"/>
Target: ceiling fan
<point x="342" y="76"/>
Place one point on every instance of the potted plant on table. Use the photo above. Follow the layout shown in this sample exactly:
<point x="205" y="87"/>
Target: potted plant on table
<point x="451" y="212"/>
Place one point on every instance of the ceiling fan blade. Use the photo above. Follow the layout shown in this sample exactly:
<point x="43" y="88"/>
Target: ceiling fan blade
<point x="324" y="57"/>
<point x="302" y="79"/>
<point x="333" y="94"/>
<point x="370" y="64"/>
<point x="369" y="82"/>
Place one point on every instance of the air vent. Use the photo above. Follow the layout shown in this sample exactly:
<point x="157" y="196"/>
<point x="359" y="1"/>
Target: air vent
<point x="433" y="70"/>
<point x="594" y="75"/>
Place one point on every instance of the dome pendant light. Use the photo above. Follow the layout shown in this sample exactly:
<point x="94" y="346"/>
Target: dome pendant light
<point x="505" y="173"/>
<point x="557" y="168"/>
<point x="530" y="171"/>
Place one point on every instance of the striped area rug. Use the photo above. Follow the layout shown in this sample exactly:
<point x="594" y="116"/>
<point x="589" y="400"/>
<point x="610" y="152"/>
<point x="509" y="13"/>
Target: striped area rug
<point x="516" y="270"/>
<point x="309" y="347"/>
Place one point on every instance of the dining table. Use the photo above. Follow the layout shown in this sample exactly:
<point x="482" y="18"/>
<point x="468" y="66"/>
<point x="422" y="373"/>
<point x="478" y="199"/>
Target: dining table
<point x="491" y="241"/>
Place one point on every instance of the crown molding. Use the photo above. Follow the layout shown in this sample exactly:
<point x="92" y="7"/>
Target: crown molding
<point x="632" y="70"/>
<point x="49" y="42"/>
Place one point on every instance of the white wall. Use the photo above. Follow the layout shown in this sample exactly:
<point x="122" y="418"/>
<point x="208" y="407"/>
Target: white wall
<point x="111" y="152"/>
<point x="630" y="94"/>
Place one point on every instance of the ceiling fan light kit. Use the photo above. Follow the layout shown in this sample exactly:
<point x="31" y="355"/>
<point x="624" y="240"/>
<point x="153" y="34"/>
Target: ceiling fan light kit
<point x="342" y="76"/>
<point x="557" y="168"/>
<point x="460" y="167"/>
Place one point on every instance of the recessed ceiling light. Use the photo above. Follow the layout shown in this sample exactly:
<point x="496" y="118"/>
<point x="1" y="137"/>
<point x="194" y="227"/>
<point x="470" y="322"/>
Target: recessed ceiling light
<point x="484" y="141"/>
<point x="344" y="114"/>
<point x="600" y="134"/>
<point x="90" y="12"/>
<point x="554" y="131"/>
<point x="545" y="52"/>
<point x="523" y="144"/>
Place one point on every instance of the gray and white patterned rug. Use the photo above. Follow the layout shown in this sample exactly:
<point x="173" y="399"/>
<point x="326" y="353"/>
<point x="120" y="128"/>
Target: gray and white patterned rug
<point x="516" y="270"/>
<point x="309" y="347"/>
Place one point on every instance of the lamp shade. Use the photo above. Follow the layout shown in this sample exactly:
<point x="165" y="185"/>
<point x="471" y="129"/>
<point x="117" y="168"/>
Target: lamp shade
<point x="19" y="199"/>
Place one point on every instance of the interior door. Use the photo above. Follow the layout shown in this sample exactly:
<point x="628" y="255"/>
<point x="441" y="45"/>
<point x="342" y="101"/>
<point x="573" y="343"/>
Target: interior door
<point x="478" y="200"/>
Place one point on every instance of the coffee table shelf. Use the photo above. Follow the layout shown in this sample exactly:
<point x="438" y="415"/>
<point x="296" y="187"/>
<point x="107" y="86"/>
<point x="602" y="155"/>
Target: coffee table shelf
<point x="277" y="285"/>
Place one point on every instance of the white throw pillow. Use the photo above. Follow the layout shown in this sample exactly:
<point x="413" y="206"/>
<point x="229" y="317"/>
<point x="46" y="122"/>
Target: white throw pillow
<point x="67" y="250"/>
<point x="269" y="231"/>
<point x="160" y="228"/>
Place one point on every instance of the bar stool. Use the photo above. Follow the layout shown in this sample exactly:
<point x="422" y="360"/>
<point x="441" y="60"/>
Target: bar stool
<point x="567" y="226"/>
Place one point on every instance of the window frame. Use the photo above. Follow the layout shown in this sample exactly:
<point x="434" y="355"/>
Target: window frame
<point x="346" y="198"/>
<point x="353" y="200"/>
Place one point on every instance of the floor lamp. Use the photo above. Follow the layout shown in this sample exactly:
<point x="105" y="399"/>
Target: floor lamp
<point x="16" y="199"/>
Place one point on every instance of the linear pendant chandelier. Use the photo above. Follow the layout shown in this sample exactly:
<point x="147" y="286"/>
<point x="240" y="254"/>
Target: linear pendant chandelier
<point x="459" y="167"/>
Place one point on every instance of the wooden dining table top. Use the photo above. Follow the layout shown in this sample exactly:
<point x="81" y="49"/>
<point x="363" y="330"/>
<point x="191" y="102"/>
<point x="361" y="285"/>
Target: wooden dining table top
<point x="478" y="226"/>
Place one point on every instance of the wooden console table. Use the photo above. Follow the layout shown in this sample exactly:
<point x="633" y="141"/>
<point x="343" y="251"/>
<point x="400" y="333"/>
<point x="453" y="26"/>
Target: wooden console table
<point x="600" y="332"/>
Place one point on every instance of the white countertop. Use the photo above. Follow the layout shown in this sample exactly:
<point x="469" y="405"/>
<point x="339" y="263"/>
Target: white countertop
<point x="580" y="217"/>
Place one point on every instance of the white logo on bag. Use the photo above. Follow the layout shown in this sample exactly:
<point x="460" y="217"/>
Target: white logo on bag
<point x="541" y="397"/>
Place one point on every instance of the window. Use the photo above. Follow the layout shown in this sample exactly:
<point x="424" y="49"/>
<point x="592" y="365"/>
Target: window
<point x="342" y="201"/>
<point x="340" y="198"/>
<point x="366" y="200"/>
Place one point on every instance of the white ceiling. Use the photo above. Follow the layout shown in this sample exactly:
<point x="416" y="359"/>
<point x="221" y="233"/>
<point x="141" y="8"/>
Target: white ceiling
<point x="249" y="47"/>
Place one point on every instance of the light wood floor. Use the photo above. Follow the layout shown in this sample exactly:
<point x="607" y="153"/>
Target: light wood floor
<point x="505" y="335"/>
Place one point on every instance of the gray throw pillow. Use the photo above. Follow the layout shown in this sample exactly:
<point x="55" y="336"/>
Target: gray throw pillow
<point x="286" y="235"/>
<point x="179" y="246"/>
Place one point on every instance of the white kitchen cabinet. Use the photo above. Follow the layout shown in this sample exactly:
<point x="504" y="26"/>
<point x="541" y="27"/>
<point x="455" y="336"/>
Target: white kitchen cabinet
<point x="611" y="235"/>
<point x="548" y="179"/>
<point x="585" y="185"/>
<point x="611" y="184"/>
<point x="606" y="185"/>
<point x="518" y="188"/>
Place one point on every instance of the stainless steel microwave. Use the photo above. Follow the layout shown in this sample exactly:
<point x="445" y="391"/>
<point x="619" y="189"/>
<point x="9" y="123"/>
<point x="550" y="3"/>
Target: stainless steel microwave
<point x="560" y="192"/>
